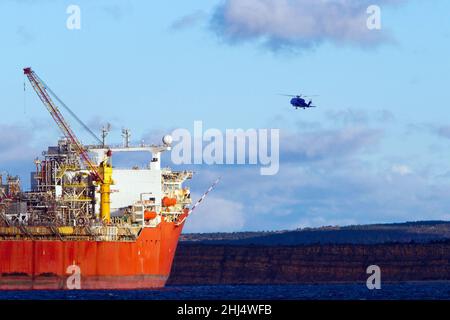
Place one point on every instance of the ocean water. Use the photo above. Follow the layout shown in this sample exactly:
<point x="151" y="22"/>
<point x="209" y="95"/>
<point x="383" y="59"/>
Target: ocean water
<point x="403" y="291"/>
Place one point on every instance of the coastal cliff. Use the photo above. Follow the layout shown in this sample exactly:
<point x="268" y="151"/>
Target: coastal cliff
<point x="223" y="264"/>
<point x="418" y="251"/>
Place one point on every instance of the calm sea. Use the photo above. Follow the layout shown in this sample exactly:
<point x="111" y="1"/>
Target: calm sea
<point x="404" y="291"/>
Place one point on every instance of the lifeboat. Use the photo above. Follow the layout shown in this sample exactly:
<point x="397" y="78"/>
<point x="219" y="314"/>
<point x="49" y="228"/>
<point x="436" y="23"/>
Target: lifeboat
<point x="168" y="202"/>
<point x="149" y="215"/>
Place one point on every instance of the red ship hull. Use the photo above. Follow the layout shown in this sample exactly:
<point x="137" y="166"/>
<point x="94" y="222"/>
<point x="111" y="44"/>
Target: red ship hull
<point x="43" y="264"/>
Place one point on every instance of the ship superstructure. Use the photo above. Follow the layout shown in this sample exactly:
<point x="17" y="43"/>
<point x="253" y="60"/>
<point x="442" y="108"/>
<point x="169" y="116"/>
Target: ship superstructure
<point x="64" y="198"/>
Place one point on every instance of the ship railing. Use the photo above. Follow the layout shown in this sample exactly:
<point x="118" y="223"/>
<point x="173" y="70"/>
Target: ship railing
<point x="113" y="233"/>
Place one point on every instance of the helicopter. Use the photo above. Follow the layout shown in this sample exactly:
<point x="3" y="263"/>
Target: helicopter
<point x="298" y="102"/>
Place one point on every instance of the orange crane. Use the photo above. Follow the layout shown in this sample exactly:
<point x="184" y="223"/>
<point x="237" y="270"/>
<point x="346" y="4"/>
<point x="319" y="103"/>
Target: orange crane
<point x="102" y="174"/>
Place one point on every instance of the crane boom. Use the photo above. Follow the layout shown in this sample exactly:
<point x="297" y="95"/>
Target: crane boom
<point x="40" y="88"/>
<point x="102" y="174"/>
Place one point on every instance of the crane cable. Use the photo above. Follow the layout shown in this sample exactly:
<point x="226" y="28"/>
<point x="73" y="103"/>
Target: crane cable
<point x="24" y="95"/>
<point x="70" y="111"/>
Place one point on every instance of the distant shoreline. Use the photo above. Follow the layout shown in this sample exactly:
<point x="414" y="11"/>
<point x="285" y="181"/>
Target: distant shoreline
<point x="418" y="231"/>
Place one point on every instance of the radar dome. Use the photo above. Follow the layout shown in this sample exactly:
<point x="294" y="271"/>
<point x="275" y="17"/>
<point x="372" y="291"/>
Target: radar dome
<point x="167" y="139"/>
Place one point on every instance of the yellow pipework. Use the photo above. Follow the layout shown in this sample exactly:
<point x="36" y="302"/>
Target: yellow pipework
<point x="105" y="190"/>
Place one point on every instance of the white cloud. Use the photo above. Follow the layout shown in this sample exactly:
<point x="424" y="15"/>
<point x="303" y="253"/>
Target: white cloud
<point x="188" y="21"/>
<point x="216" y="214"/>
<point x="401" y="169"/>
<point x="350" y="116"/>
<point x="21" y="143"/>
<point x="298" y="23"/>
<point x="443" y="131"/>
<point x="327" y="143"/>
<point x="15" y="144"/>
<point x="314" y="222"/>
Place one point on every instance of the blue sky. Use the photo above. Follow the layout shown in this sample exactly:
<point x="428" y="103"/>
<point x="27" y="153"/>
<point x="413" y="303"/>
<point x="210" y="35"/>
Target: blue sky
<point x="376" y="149"/>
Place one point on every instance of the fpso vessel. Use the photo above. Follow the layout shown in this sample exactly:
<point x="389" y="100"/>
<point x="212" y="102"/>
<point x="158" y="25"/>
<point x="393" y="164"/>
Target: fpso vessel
<point x="85" y="224"/>
<point x="53" y="237"/>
